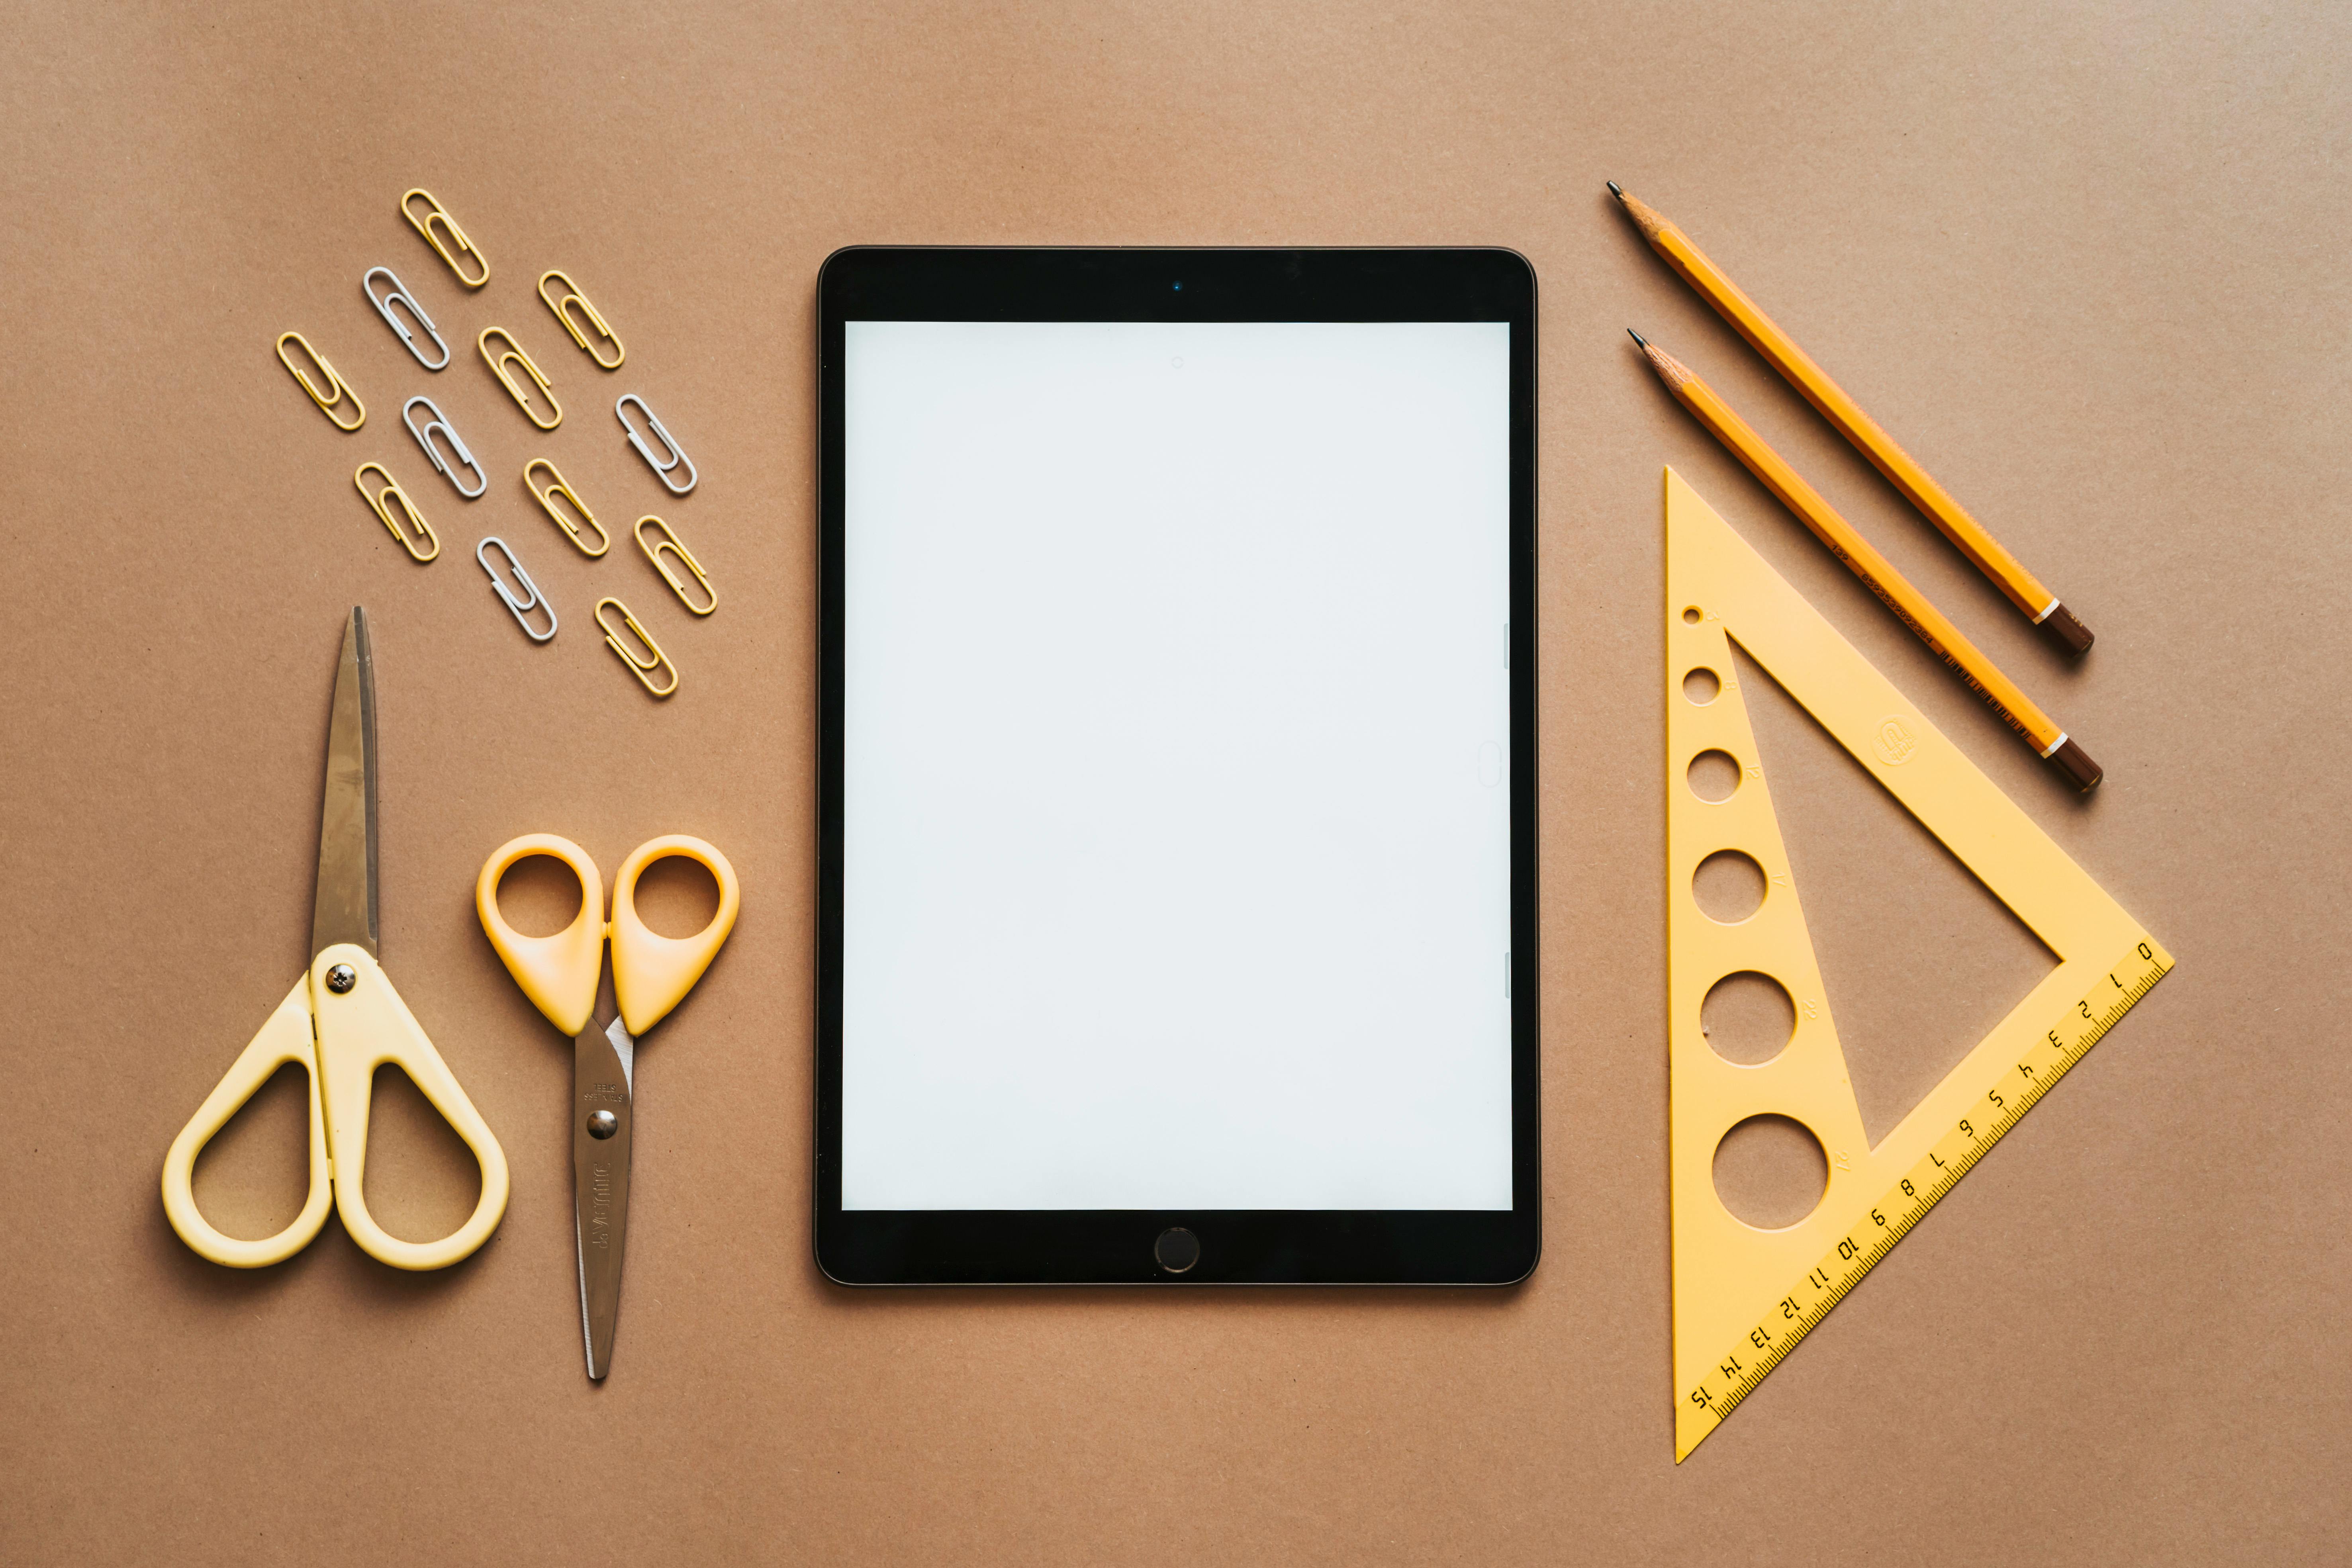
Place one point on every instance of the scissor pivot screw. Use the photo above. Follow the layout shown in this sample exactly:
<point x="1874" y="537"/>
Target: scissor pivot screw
<point x="342" y="978"/>
<point x="602" y="1124"/>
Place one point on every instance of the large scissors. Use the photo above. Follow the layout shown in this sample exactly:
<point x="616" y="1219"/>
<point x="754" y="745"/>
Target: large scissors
<point x="342" y="1021"/>
<point x="563" y="976"/>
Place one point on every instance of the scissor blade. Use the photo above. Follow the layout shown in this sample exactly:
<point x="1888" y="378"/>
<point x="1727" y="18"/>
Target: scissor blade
<point x="344" y="909"/>
<point x="603" y="1086"/>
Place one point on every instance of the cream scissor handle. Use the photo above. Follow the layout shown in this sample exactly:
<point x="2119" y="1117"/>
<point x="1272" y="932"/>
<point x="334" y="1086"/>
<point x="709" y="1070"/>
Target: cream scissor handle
<point x="361" y="1025"/>
<point x="651" y="973"/>
<point x="358" y="1028"/>
<point x="284" y="1038"/>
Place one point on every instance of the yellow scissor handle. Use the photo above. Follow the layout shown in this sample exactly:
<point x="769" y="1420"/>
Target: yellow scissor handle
<point x="284" y="1038"/>
<point x="557" y="972"/>
<point x="651" y="973"/>
<point x="360" y="1028"/>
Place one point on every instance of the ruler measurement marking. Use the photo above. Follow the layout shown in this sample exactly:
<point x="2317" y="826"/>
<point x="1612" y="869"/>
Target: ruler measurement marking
<point x="2034" y="1081"/>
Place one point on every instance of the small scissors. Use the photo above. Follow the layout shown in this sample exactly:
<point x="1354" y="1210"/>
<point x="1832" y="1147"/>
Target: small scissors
<point x="563" y="976"/>
<point x="342" y="1021"/>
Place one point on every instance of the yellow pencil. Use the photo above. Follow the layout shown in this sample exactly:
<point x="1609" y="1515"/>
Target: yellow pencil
<point x="2024" y="590"/>
<point x="1910" y="606"/>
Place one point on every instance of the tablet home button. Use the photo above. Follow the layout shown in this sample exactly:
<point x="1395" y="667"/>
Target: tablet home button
<point x="1177" y="1249"/>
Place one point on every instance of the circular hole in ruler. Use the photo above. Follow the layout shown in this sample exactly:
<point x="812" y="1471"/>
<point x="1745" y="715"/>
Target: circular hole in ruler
<point x="539" y="895"/>
<point x="1747" y="1018"/>
<point x="1729" y="886"/>
<point x="1770" y="1172"/>
<point x="1714" y="776"/>
<point x="1701" y="685"/>
<point x="1693" y="614"/>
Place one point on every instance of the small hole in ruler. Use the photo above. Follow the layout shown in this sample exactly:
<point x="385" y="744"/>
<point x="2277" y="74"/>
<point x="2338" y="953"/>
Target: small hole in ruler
<point x="1747" y="1018"/>
<point x="1714" y="776"/>
<point x="540" y="896"/>
<point x="1729" y="886"/>
<point x="1770" y="1172"/>
<point x="1702" y="686"/>
<point x="1693" y="614"/>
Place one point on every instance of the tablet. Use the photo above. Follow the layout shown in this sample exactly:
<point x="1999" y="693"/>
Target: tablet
<point x="1177" y="833"/>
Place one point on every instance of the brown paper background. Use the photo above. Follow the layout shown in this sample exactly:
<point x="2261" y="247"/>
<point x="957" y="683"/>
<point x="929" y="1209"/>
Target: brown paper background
<point x="2085" y="261"/>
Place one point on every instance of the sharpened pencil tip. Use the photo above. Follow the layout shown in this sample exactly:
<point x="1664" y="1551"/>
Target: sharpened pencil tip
<point x="1615" y="189"/>
<point x="1637" y="337"/>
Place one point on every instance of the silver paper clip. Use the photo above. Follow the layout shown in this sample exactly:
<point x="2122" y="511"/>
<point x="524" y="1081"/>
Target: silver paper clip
<point x="382" y="303"/>
<point x="440" y="422"/>
<point x="532" y="599"/>
<point x="676" y="455"/>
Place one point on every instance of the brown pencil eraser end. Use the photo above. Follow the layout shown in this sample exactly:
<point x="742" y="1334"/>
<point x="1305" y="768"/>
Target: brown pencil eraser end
<point x="2069" y="636"/>
<point x="2075" y="764"/>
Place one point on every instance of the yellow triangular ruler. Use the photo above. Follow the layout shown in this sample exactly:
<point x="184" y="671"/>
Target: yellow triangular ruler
<point x="1743" y="1297"/>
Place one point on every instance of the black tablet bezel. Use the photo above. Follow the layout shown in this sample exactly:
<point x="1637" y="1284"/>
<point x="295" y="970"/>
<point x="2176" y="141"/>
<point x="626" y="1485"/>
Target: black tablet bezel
<point x="1065" y="1247"/>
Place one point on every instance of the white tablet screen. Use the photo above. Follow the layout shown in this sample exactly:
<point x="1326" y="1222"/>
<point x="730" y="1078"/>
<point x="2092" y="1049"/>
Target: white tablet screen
<point x="1176" y="815"/>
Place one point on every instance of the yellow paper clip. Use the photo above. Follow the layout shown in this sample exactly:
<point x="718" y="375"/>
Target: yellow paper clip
<point x="640" y="667"/>
<point x="391" y="492"/>
<point x="436" y="213"/>
<point x="558" y="487"/>
<point x="337" y="387"/>
<point x="671" y="543"/>
<point x="572" y="295"/>
<point x="512" y="354"/>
